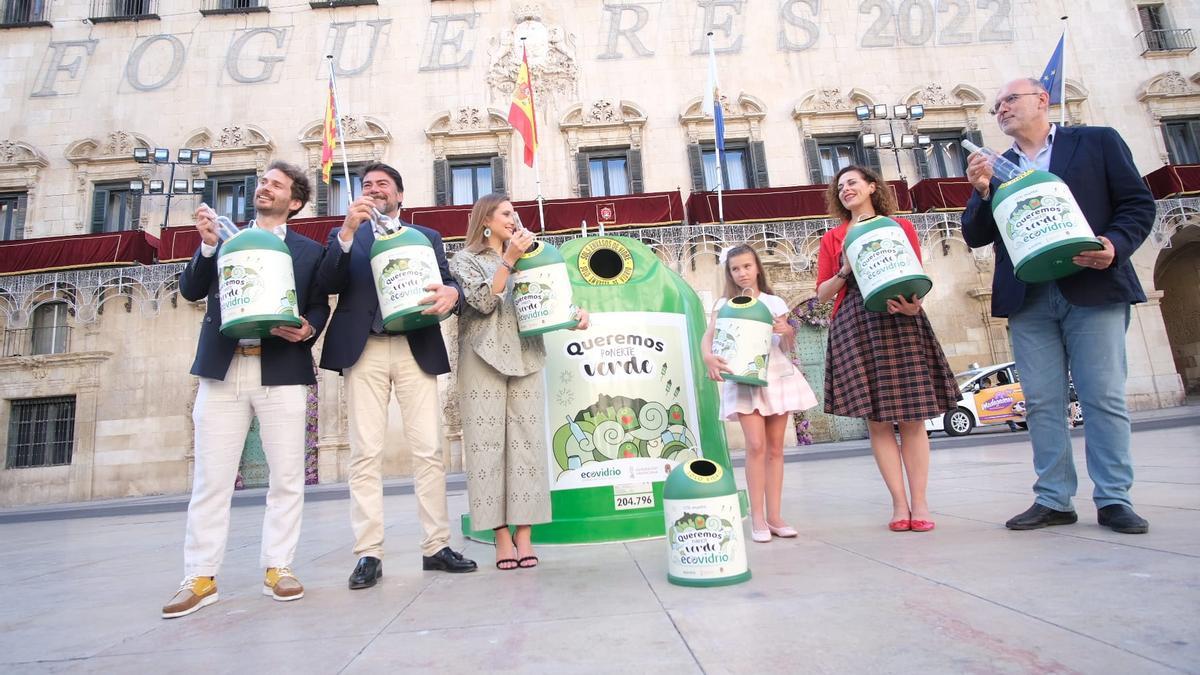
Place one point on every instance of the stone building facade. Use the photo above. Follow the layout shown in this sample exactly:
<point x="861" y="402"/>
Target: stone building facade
<point x="425" y="86"/>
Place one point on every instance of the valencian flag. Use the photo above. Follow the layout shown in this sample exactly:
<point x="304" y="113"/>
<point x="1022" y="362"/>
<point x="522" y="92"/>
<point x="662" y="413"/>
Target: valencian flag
<point x="520" y="113"/>
<point x="328" y="135"/>
<point x="1052" y="77"/>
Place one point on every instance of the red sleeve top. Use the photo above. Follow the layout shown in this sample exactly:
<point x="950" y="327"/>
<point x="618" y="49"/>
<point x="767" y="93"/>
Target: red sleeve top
<point x="829" y="257"/>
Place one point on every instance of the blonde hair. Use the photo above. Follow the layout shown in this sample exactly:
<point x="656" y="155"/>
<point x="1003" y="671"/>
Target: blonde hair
<point x="731" y="287"/>
<point x="882" y="200"/>
<point x="481" y="213"/>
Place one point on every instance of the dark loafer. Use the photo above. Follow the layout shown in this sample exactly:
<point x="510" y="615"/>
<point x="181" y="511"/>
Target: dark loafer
<point x="366" y="573"/>
<point x="447" y="560"/>
<point x="1039" y="516"/>
<point x="1121" y="518"/>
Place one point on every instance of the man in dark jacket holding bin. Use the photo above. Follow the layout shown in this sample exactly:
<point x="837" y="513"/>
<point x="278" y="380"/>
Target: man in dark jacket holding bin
<point x="1075" y="324"/>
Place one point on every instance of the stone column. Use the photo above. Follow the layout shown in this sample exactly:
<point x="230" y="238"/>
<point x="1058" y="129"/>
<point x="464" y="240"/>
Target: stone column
<point x="1153" y="379"/>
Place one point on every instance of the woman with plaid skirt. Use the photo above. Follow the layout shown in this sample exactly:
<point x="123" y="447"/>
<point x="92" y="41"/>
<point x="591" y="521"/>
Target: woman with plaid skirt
<point x="887" y="368"/>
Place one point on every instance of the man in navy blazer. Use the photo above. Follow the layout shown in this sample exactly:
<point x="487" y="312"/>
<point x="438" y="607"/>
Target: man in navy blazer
<point x="1073" y="327"/>
<point x="374" y="365"/>
<point x="243" y="378"/>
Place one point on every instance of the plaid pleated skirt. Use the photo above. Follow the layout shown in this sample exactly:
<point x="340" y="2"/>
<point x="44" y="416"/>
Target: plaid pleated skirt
<point x="885" y="367"/>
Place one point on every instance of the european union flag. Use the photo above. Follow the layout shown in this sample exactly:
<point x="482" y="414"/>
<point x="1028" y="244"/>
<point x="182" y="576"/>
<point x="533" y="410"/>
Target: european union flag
<point x="1052" y="78"/>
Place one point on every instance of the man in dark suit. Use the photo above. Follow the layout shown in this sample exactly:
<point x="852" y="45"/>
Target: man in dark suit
<point x="243" y="378"/>
<point x="373" y="363"/>
<point x="1075" y="324"/>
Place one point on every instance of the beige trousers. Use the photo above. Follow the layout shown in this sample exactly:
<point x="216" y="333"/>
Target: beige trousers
<point x="386" y="366"/>
<point x="222" y="417"/>
<point x="504" y="444"/>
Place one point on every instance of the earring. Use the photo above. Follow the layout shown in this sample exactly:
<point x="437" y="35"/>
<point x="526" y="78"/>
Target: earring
<point x="487" y="232"/>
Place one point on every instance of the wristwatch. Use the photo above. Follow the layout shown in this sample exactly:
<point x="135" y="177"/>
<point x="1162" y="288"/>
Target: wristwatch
<point x="843" y="275"/>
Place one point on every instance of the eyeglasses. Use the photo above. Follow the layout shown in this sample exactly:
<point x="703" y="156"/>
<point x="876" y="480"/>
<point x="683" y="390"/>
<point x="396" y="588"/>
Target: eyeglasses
<point x="1009" y="100"/>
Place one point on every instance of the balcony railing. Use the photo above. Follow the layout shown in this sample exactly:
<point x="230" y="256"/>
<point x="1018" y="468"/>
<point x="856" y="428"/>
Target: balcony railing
<point x="1167" y="40"/>
<point x="123" y="10"/>
<point x="213" y="7"/>
<point x="24" y="13"/>
<point x="36" y="341"/>
<point x="321" y="4"/>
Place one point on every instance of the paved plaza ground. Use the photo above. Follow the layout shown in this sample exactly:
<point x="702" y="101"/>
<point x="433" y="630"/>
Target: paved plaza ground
<point x="81" y="586"/>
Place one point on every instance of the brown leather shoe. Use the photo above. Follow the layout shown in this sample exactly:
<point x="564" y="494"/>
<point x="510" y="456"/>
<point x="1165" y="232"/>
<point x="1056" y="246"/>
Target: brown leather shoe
<point x="194" y="593"/>
<point x="282" y="585"/>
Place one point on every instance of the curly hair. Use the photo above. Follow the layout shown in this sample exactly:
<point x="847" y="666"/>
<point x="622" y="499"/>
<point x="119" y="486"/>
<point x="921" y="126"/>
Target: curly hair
<point x="883" y="199"/>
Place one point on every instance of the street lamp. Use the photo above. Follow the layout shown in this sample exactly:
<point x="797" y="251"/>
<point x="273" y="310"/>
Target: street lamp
<point x="177" y="186"/>
<point x="890" y="140"/>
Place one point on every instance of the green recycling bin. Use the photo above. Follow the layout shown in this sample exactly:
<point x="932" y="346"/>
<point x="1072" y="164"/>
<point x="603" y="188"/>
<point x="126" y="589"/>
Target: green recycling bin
<point x="884" y="263"/>
<point x="256" y="285"/>
<point x="742" y="336"/>
<point x="542" y="291"/>
<point x="404" y="264"/>
<point x="1042" y="226"/>
<point x="704" y="526"/>
<point x="626" y="399"/>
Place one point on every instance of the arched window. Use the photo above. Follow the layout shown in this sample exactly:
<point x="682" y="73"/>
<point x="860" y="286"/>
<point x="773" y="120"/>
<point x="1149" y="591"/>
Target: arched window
<point x="50" y="333"/>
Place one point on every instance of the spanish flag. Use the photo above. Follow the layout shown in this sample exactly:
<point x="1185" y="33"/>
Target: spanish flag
<point x="520" y="113"/>
<point x="329" y="136"/>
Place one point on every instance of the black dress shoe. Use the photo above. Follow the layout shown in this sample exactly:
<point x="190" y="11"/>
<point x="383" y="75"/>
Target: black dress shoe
<point x="1121" y="518"/>
<point x="1039" y="516"/>
<point x="366" y="572"/>
<point x="447" y="560"/>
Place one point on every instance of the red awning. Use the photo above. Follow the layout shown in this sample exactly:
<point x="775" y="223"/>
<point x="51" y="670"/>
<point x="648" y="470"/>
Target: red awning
<point x="1174" y="180"/>
<point x="562" y="215"/>
<point x="49" y="254"/>
<point x="781" y="203"/>
<point x="939" y="194"/>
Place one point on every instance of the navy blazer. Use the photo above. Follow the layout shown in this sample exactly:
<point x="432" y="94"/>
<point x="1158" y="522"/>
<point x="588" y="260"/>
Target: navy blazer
<point x="348" y="275"/>
<point x="283" y="362"/>
<point x="1098" y="167"/>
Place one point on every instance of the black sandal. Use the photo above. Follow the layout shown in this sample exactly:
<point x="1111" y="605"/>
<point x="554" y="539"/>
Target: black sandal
<point x="515" y="564"/>
<point x="522" y="565"/>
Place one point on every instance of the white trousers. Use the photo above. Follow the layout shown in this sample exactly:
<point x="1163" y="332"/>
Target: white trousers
<point x="222" y="417"/>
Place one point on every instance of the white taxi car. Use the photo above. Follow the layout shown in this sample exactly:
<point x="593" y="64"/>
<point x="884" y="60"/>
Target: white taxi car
<point x="991" y="395"/>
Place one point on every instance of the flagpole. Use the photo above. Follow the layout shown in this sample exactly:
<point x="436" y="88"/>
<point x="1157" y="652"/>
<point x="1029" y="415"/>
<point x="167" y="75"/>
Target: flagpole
<point x="712" y="59"/>
<point x="337" y="116"/>
<point x="537" y="174"/>
<point x="1063" y="71"/>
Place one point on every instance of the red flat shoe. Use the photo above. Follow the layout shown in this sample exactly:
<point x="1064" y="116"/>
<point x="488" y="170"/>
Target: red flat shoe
<point x="921" y="525"/>
<point x="902" y="525"/>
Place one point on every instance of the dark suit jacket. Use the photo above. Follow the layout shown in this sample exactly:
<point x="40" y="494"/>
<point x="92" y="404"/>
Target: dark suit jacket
<point x="1096" y="164"/>
<point x="283" y="362"/>
<point x="349" y="276"/>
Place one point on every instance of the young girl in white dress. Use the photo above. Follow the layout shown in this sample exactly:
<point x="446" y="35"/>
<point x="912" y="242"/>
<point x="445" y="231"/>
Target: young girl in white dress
<point x="763" y="412"/>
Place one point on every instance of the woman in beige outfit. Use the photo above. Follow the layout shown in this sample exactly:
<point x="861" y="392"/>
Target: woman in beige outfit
<point x="500" y="386"/>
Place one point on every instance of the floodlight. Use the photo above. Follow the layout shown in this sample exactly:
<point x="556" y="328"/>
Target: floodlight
<point x="862" y="112"/>
<point x="179" y="185"/>
<point x="136" y="185"/>
<point x="907" y="140"/>
<point x="204" y="157"/>
<point x="141" y="155"/>
<point x="900" y="111"/>
<point x="184" y="156"/>
<point x="881" y="111"/>
<point x="198" y="184"/>
<point x="916" y="111"/>
<point x="869" y="140"/>
<point x="886" y="141"/>
<point x="923" y="140"/>
<point x="156" y="187"/>
<point x="162" y="155"/>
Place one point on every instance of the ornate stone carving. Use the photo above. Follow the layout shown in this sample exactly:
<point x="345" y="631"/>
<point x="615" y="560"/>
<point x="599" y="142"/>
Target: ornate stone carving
<point x="551" y="50"/>
<point x="467" y="118"/>
<point x="117" y="146"/>
<point x="602" y="111"/>
<point x="17" y="153"/>
<point x="934" y="95"/>
<point x="830" y="100"/>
